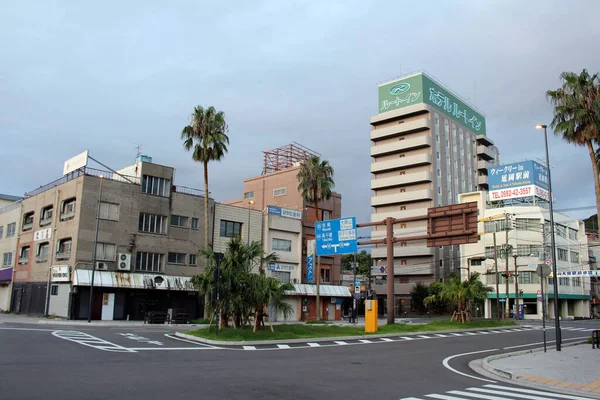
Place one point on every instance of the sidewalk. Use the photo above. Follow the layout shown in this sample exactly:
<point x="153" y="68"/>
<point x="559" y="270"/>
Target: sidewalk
<point x="21" y="319"/>
<point x="574" y="368"/>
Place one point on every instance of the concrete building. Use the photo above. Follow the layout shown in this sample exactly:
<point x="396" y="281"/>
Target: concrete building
<point x="428" y="146"/>
<point x="529" y="237"/>
<point x="594" y="255"/>
<point x="10" y="216"/>
<point x="149" y="233"/>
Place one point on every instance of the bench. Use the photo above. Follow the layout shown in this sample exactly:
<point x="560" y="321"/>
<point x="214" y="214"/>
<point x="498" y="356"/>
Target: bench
<point x="156" y="317"/>
<point x="596" y="339"/>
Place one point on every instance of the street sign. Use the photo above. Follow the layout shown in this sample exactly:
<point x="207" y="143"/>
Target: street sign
<point x="336" y="236"/>
<point x="502" y="300"/>
<point x="548" y="262"/>
<point x="543" y="270"/>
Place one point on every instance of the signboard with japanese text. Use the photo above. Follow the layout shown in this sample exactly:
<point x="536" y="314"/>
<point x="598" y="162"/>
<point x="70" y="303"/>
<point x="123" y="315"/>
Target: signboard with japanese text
<point x="420" y="88"/>
<point x="60" y="273"/>
<point x="336" y="236"/>
<point x="42" y="234"/>
<point x="310" y="261"/>
<point x="521" y="179"/>
<point x="281" y="267"/>
<point x="284" y="212"/>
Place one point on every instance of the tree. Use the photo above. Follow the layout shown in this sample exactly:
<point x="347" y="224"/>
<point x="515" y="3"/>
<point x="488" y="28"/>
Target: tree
<point x="207" y="135"/>
<point x="417" y="295"/>
<point x="459" y="293"/>
<point x="577" y="116"/>
<point x="316" y="183"/>
<point x="363" y="259"/>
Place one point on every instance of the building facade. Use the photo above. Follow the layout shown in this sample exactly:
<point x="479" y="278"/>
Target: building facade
<point x="428" y="146"/>
<point x="528" y="232"/>
<point x="149" y="232"/>
<point x="10" y="215"/>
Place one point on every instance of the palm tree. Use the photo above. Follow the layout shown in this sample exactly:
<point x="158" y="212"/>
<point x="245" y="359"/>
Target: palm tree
<point x="207" y="135"/>
<point x="316" y="182"/>
<point x="577" y="116"/>
<point x="268" y="292"/>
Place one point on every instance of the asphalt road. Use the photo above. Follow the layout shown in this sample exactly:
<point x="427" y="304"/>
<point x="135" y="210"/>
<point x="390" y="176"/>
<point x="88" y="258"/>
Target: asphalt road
<point x="80" y="362"/>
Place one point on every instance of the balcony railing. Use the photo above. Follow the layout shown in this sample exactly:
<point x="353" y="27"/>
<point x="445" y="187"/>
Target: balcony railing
<point x="28" y="226"/>
<point x="42" y="258"/>
<point x="63" y="256"/>
<point x="23" y="260"/>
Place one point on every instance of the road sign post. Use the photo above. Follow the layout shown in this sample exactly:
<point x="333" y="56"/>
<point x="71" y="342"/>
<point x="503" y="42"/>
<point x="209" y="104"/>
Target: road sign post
<point x="336" y="236"/>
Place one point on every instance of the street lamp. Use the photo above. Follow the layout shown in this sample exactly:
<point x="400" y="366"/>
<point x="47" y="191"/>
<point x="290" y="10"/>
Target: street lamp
<point x="95" y="250"/>
<point x="553" y="245"/>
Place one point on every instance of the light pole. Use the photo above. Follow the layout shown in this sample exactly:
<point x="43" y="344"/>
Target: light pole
<point x="251" y="202"/>
<point x="553" y="245"/>
<point x="95" y="250"/>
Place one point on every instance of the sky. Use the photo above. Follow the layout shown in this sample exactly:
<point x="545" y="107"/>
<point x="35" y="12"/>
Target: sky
<point x="115" y="75"/>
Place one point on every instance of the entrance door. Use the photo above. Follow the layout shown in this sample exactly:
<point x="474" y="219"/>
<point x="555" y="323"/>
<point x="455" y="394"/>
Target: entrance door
<point x="108" y="306"/>
<point x="97" y="306"/>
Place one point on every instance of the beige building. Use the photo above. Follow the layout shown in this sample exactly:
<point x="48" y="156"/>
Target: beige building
<point x="428" y="146"/>
<point x="10" y="215"/>
<point x="149" y="233"/>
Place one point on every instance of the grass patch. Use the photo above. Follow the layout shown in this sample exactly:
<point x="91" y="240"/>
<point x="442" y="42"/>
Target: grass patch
<point x="203" y="321"/>
<point x="316" y="322"/>
<point x="308" y="331"/>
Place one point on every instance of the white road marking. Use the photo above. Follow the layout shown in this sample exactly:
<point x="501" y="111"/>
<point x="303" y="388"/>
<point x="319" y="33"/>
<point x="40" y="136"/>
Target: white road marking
<point x="91" y="341"/>
<point x="455" y="334"/>
<point x="444" y="397"/>
<point x="470" y="333"/>
<point x="190" y="341"/>
<point x="425" y="337"/>
<point x="249" y="347"/>
<point x="547" y="394"/>
<point x="497" y="392"/>
<point x="538" y="343"/>
<point x="385" y="339"/>
<point x="446" y="363"/>
<point x="27" y="329"/>
<point x="340" y="342"/>
<point x="407" y="338"/>
<point x="171" y="348"/>
<point x="365" y="341"/>
<point x="313" y="344"/>
<point x="480" y="396"/>
<point x="440" y="335"/>
<point x="283" y="346"/>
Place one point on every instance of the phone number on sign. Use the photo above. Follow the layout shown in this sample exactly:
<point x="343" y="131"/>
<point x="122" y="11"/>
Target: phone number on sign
<point x="503" y="194"/>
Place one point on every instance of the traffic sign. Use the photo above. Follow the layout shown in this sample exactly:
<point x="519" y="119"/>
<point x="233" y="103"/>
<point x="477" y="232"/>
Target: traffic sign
<point x="548" y="262"/>
<point x="336" y="236"/>
<point x="357" y="296"/>
<point x="543" y="270"/>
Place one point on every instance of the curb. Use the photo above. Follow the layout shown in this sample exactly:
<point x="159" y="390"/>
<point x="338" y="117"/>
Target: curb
<point x="326" y="339"/>
<point x="113" y="325"/>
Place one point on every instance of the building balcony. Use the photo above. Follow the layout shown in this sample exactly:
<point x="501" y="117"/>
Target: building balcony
<point x="401" y="180"/>
<point x="402" y="197"/>
<point x="63" y="256"/>
<point x="482" y="180"/>
<point x="482" y="139"/>
<point x="27" y="227"/>
<point x="46" y="221"/>
<point x="420" y="212"/>
<point x="23" y="260"/>
<point x="481" y="164"/>
<point x="41" y="258"/>
<point x="406" y="144"/>
<point x="401" y="162"/>
<point x="400" y="129"/>
<point x="485" y="152"/>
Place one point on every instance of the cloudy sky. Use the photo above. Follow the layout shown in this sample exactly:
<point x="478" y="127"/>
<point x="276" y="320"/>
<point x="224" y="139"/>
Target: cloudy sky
<point x="111" y="76"/>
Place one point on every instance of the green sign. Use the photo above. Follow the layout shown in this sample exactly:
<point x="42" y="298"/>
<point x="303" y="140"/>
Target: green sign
<point x="422" y="89"/>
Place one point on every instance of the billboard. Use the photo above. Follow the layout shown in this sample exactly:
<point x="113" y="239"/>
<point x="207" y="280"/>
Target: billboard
<point x="520" y="179"/>
<point x="420" y="88"/>
<point x="80" y="160"/>
<point x="284" y="212"/>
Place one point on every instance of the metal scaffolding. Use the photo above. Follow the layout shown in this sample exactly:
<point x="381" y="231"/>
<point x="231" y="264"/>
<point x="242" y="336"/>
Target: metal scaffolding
<point x="287" y="156"/>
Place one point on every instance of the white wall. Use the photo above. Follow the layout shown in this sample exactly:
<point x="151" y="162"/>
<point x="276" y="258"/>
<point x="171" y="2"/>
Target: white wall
<point x="5" y="295"/>
<point x="59" y="303"/>
<point x="293" y="302"/>
<point x="245" y="216"/>
<point x="284" y="228"/>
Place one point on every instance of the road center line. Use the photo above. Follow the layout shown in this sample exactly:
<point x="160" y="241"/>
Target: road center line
<point x="446" y="364"/>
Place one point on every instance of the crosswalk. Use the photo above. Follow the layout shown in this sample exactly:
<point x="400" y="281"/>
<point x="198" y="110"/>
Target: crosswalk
<point x="91" y="341"/>
<point x="497" y="392"/>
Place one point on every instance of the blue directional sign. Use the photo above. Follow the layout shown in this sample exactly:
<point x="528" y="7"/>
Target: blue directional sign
<point x="336" y="236"/>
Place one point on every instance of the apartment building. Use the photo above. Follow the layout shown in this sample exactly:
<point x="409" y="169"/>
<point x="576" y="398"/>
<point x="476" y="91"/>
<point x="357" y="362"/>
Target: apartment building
<point x="529" y="238"/>
<point x="10" y="214"/>
<point x="149" y="232"/>
<point x="428" y="146"/>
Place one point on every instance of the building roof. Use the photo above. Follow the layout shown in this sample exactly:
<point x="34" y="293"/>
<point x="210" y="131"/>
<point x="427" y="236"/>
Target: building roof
<point x="8" y="197"/>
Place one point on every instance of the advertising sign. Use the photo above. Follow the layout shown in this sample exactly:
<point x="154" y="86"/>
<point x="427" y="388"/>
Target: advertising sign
<point x="60" y="273"/>
<point x="281" y="267"/>
<point x="521" y="179"/>
<point x="310" y="261"/>
<point x="420" y="88"/>
<point x="42" y="234"/>
<point x="284" y="212"/>
<point x="336" y="236"/>
<point x="80" y="160"/>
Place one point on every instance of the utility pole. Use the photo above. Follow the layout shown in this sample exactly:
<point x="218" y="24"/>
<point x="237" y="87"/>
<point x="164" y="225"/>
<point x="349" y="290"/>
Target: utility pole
<point x="94" y="252"/>
<point x="389" y="240"/>
<point x="497" y="277"/>
<point x="518" y="311"/>
<point x="506" y="258"/>
<point x="354" y="319"/>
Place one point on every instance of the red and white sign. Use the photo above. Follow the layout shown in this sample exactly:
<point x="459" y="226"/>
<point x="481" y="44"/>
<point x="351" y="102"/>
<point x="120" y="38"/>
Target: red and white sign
<point x="521" y="191"/>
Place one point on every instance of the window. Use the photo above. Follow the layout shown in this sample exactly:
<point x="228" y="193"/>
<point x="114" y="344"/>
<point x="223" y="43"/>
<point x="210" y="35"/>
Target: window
<point x="437" y="121"/>
<point x="152" y="223"/>
<point x="156" y="186"/>
<point x="281" y="245"/>
<point x="572" y="234"/>
<point x="528" y="224"/>
<point x="326" y="215"/>
<point x="561" y="230"/>
<point x="249" y="195"/>
<point x="46" y="216"/>
<point x="447" y="144"/>
<point x="437" y="155"/>
<point x="64" y="249"/>
<point x="192" y="259"/>
<point x="178" y="220"/>
<point x="1" y="231"/>
<point x="526" y="250"/>
<point x="526" y="278"/>
<point x="439" y="190"/>
<point x="563" y="281"/>
<point x="494" y="226"/>
<point x="279" y="192"/>
<point x="176" y="258"/>
<point x="562" y="255"/>
<point x="489" y="251"/>
<point x="574" y="257"/>
<point x="24" y="255"/>
<point x="67" y="210"/>
<point x="476" y="263"/>
<point x="283" y="276"/>
<point x="149" y="262"/>
<point x="11" y="229"/>
<point x="194" y="223"/>
<point x="402" y="173"/>
<point x="437" y="138"/>
<point x="230" y="229"/>
<point x="576" y="282"/>
<point x="54" y="290"/>
<point x="28" y="221"/>
<point x="325" y="275"/>
<point x="106" y="251"/>
<point x="7" y="259"/>
<point x="403" y="262"/>
<point x="439" y="172"/>
<point x="402" y="190"/>
<point x="402" y="208"/>
<point x="109" y="211"/>
<point x="42" y="252"/>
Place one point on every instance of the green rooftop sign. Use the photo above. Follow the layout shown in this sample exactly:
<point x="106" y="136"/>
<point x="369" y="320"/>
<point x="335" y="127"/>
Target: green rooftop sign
<point x="420" y="88"/>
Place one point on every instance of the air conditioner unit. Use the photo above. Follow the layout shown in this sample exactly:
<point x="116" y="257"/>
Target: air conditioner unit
<point x="294" y="280"/>
<point x="124" y="262"/>
<point x="101" y="266"/>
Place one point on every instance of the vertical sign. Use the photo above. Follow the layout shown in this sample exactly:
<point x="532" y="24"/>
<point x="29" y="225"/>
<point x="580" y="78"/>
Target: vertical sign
<point x="310" y="261"/>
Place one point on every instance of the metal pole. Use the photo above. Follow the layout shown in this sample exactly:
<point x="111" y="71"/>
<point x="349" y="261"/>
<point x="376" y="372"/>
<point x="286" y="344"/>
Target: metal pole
<point x="553" y="250"/>
<point x="517" y="288"/>
<point x="506" y="257"/>
<point x="542" y="279"/>
<point x="354" y="316"/>
<point x="218" y="257"/>
<point x="497" y="277"/>
<point x="95" y="250"/>
<point x="389" y="242"/>
<point x="318" y="282"/>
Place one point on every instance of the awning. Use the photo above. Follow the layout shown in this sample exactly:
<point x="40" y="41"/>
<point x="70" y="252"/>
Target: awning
<point x="6" y="275"/>
<point x="83" y="277"/>
<point x="324" y="290"/>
